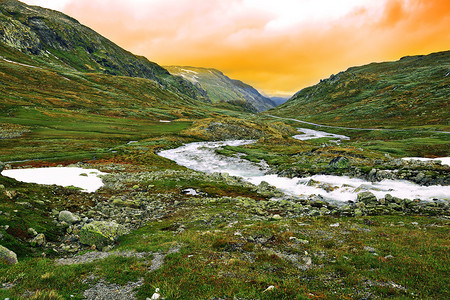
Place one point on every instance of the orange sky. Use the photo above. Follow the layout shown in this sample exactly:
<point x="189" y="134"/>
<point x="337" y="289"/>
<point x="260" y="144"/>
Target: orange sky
<point x="278" y="46"/>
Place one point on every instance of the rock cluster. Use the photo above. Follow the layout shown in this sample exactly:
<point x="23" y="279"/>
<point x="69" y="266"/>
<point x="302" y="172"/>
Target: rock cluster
<point x="425" y="173"/>
<point x="100" y="225"/>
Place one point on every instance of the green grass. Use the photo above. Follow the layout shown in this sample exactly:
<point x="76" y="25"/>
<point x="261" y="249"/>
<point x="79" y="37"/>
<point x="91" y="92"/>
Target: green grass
<point x="411" y="260"/>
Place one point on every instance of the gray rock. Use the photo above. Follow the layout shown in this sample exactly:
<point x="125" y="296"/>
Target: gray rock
<point x="32" y="232"/>
<point x="367" y="198"/>
<point x="68" y="217"/>
<point x="7" y="256"/>
<point x="370" y="249"/>
<point x="358" y="213"/>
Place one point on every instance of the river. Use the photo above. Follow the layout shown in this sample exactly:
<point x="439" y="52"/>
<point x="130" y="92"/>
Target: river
<point x="201" y="156"/>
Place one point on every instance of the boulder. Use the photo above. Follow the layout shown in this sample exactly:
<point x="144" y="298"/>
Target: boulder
<point x="339" y="162"/>
<point x="7" y="256"/>
<point x="367" y="198"/>
<point x="101" y="233"/>
<point x="68" y="217"/>
<point x="2" y="166"/>
<point x="38" y="240"/>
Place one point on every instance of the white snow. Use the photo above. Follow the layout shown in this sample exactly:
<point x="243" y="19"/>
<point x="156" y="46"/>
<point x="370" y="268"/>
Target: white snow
<point x="20" y="64"/>
<point x="165" y="121"/>
<point x="63" y="176"/>
<point x="443" y="160"/>
<point x="202" y="157"/>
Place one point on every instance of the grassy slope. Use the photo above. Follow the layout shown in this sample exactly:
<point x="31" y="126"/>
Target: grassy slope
<point x="411" y="92"/>
<point x="53" y="39"/>
<point x="68" y="114"/>
<point x="221" y="88"/>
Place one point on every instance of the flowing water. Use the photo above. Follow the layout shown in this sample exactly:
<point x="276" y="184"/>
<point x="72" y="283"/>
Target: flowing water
<point x="202" y="157"/>
<point x="309" y="134"/>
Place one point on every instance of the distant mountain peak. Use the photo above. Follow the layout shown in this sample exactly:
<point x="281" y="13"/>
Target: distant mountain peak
<point x="221" y="88"/>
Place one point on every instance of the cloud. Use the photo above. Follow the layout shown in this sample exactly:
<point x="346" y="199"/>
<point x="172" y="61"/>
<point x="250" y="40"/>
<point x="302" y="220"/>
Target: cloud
<point x="279" y="46"/>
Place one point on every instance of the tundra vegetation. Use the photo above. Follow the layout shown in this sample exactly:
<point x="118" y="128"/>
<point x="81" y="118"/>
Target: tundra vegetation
<point x="157" y="225"/>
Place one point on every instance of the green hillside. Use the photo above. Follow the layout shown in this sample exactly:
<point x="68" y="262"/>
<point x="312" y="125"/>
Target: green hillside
<point x="221" y="88"/>
<point x="66" y="92"/>
<point x="54" y="40"/>
<point x="411" y="92"/>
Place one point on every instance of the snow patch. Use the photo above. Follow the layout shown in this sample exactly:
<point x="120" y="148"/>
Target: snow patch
<point x="315" y="134"/>
<point x="87" y="179"/>
<point x="20" y="64"/>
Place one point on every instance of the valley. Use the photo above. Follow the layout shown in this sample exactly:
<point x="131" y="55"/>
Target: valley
<point x="205" y="190"/>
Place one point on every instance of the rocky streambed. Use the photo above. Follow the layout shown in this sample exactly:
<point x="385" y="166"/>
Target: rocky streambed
<point x="338" y="189"/>
<point x="137" y="203"/>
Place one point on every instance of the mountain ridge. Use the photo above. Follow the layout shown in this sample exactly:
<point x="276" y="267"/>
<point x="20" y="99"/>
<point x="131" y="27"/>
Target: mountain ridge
<point x="56" y="40"/>
<point x="412" y="91"/>
<point x="219" y="87"/>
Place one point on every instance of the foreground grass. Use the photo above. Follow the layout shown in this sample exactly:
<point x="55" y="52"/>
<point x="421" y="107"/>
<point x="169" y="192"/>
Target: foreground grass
<point x="229" y="255"/>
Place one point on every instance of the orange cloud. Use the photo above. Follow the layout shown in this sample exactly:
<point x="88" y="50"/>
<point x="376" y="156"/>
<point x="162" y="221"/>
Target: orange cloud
<point x="240" y="40"/>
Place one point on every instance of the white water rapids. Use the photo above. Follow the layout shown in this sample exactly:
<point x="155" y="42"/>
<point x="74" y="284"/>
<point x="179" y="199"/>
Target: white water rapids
<point x="202" y="157"/>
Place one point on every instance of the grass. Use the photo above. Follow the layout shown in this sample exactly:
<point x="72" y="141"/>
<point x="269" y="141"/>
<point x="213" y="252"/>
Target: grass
<point x="214" y="261"/>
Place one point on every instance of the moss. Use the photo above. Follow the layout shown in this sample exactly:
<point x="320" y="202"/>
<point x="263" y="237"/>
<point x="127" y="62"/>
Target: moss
<point x="101" y="233"/>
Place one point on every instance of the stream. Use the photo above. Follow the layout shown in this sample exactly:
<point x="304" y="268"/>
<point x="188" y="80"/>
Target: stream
<point x="201" y="156"/>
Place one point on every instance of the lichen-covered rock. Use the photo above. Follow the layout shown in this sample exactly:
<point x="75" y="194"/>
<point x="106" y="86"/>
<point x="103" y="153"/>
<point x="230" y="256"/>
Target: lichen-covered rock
<point x="101" y="233"/>
<point x="7" y="256"/>
<point x="339" y="162"/>
<point x="367" y="198"/>
<point x="68" y="217"/>
<point x="38" y="241"/>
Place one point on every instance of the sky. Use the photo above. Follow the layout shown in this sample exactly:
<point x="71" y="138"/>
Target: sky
<point x="277" y="46"/>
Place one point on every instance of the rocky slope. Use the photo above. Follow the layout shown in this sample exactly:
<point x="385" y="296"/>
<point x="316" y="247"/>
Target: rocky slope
<point x="412" y="91"/>
<point x="220" y="87"/>
<point x="52" y="39"/>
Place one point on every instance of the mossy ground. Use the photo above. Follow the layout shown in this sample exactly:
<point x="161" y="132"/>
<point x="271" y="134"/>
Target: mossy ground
<point x="53" y="114"/>
<point x="228" y="251"/>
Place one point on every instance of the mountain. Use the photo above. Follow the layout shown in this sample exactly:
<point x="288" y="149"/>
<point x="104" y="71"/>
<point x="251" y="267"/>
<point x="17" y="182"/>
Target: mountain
<point x="279" y="100"/>
<point x="66" y="88"/>
<point x="54" y="40"/>
<point x="413" y="91"/>
<point x="220" y="88"/>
